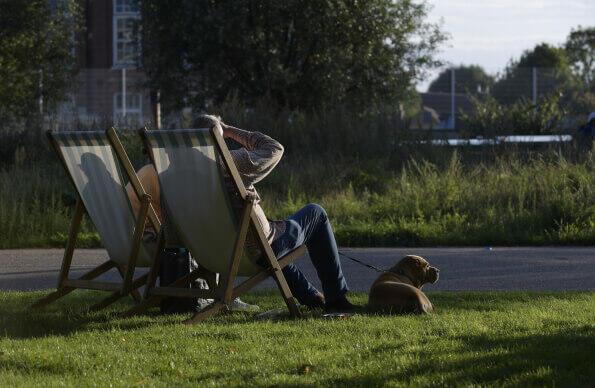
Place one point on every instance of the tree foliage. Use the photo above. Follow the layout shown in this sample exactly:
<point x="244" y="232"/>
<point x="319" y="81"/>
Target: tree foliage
<point x="580" y="49"/>
<point x="304" y="54"/>
<point x="468" y="79"/>
<point x="553" y="72"/>
<point x="490" y="118"/>
<point x="36" y="56"/>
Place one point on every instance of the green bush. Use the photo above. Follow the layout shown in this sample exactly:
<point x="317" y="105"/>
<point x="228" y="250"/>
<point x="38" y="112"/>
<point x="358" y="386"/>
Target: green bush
<point x="523" y="117"/>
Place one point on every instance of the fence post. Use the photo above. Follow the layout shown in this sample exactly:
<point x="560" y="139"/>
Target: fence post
<point x="124" y="92"/>
<point x="158" y="109"/>
<point x="534" y="85"/>
<point x="452" y="98"/>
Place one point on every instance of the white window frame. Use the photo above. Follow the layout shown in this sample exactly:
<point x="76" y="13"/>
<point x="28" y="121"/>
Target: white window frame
<point x="118" y="111"/>
<point x="121" y="15"/>
<point x="115" y="3"/>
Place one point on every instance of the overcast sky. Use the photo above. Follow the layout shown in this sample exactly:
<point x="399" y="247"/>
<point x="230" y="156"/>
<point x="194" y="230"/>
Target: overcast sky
<point x="490" y="32"/>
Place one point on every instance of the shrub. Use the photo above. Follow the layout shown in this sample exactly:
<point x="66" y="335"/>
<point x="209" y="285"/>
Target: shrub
<point x="491" y="118"/>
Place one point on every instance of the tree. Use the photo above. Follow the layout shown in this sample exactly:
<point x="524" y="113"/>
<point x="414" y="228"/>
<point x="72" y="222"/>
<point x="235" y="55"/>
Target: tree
<point x="468" y="79"/>
<point x="300" y="54"/>
<point x="553" y="71"/>
<point x="36" y="56"/>
<point x="491" y="118"/>
<point x="580" y="49"/>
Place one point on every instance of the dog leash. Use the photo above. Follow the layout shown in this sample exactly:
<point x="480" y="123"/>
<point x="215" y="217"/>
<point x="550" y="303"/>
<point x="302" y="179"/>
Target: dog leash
<point x="398" y="271"/>
<point x="364" y="264"/>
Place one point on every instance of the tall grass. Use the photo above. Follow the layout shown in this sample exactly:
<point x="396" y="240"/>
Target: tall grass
<point x="35" y="208"/>
<point x="543" y="199"/>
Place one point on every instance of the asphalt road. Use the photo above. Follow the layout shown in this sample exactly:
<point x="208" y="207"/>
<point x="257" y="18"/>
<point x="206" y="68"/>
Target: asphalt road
<point x="524" y="268"/>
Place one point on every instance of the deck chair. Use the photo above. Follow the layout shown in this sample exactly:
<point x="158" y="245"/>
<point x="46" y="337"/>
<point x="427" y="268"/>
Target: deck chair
<point x="190" y="164"/>
<point x="93" y="162"/>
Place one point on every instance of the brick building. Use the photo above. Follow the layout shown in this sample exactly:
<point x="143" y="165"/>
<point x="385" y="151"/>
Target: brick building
<point x="109" y="88"/>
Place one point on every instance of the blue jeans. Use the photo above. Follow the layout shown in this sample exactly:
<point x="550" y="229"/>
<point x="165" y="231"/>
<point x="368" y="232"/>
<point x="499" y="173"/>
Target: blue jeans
<point x="310" y="226"/>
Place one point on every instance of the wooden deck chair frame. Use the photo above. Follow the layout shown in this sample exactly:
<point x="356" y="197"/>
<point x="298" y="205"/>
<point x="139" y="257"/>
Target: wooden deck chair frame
<point x="224" y="293"/>
<point x="129" y="285"/>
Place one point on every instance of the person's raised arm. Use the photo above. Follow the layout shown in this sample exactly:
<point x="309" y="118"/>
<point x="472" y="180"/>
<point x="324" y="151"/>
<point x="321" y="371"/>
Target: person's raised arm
<point x="260" y="155"/>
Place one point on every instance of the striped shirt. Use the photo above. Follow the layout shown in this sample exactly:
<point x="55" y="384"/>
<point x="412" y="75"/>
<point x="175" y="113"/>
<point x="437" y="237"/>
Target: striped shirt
<point x="255" y="160"/>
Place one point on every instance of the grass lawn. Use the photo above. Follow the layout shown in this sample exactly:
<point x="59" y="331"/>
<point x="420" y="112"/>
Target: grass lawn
<point x="491" y="338"/>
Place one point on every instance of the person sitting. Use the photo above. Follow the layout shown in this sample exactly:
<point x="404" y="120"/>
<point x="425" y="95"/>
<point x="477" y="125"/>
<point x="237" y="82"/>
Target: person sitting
<point x="148" y="178"/>
<point x="257" y="156"/>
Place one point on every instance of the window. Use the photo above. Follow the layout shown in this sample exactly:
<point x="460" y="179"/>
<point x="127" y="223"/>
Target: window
<point x="125" y="6"/>
<point x="134" y="109"/>
<point x="125" y="40"/>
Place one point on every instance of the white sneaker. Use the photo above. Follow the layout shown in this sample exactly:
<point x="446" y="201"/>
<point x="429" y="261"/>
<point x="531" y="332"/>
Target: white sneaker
<point x="238" y="305"/>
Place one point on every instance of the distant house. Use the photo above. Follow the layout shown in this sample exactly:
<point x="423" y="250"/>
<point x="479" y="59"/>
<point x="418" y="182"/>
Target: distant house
<point x="427" y="118"/>
<point x="436" y="111"/>
<point x="108" y="87"/>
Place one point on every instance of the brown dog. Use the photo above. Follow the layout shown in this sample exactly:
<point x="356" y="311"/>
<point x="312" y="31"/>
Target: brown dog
<point x="399" y="289"/>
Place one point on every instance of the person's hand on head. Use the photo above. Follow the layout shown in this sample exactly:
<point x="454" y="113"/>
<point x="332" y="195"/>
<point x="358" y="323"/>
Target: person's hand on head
<point x="211" y="121"/>
<point x="219" y="127"/>
<point x="225" y="128"/>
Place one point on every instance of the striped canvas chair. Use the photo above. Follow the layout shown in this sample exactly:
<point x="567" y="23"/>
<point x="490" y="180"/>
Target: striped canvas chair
<point x="190" y="164"/>
<point x="93" y="162"/>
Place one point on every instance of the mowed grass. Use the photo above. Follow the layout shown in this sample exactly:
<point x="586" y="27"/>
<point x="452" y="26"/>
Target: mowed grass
<point x="491" y="338"/>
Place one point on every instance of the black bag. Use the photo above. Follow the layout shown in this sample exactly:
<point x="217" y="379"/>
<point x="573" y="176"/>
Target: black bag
<point x="175" y="263"/>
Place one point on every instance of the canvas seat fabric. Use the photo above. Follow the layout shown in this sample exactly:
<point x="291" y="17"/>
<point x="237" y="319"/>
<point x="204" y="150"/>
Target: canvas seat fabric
<point x="97" y="177"/>
<point x="196" y="197"/>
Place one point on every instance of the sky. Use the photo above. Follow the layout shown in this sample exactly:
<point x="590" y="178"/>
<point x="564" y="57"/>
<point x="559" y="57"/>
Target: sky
<point x="491" y="32"/>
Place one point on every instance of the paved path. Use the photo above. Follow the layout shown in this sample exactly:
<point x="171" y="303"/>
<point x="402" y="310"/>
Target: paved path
<point x="526" y="268"/>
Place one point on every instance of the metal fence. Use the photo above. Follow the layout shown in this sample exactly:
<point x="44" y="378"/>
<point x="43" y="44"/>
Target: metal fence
<point x="452" y="94"/>
<point x="99" y="98"/>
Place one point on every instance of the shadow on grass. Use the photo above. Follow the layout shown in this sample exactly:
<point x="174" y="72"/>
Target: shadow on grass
<point x="560" y="358"/>
<point x="48" y="367"/>
<point x="71" y="314"/>
<point x="64" y="317"/>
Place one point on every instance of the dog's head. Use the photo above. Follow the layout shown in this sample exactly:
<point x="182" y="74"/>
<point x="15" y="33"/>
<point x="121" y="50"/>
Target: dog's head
<point x="417" y="269"/>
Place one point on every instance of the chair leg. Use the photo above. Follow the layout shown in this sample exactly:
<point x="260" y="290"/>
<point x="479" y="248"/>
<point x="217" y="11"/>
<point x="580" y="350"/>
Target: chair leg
<point x="135" y="294"/>
<point x="153" y="300"/>
<point x="119" y="294"/>
<point x="149" y="301"/>
<point x="67" y="259"/>
<point x="127" y="271"/>
<point x="52" y="297"/>
<point x="294" y="310"/>
<point x="154" y="270"/>
<point x="143" y="306"/>
<point x="275" y="269"/>
<point x="277" y="275"/>
<point x="77" y="217"/>
<point x="207" y="312"/>
<point x="236" y="257"/>
<point x="219" y="305"/>
<point x="62" y="291"/>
